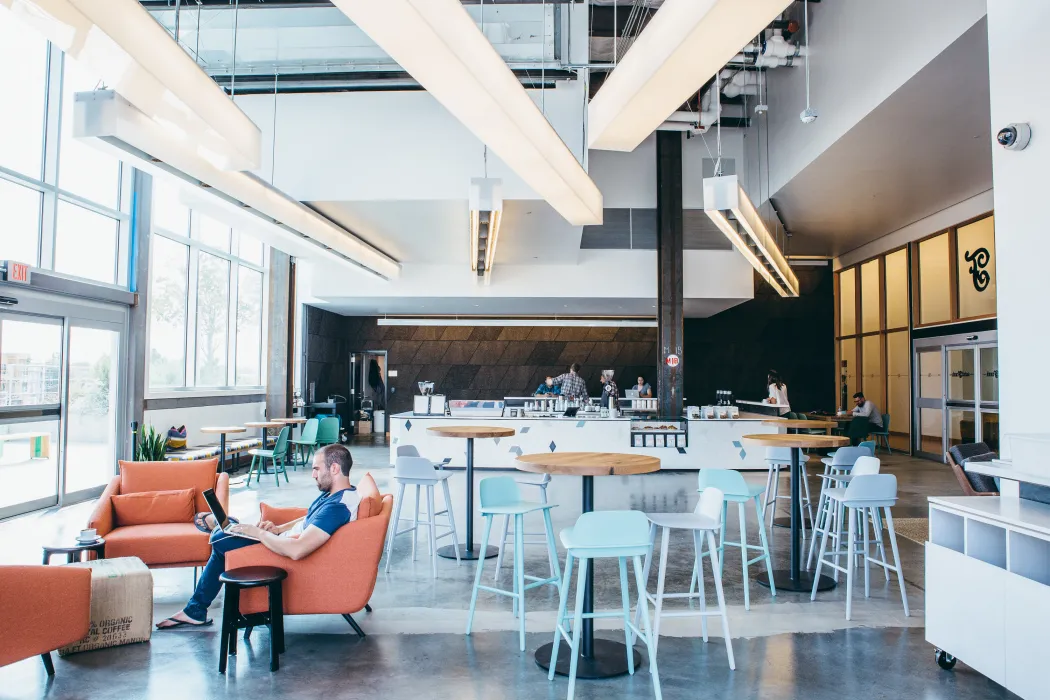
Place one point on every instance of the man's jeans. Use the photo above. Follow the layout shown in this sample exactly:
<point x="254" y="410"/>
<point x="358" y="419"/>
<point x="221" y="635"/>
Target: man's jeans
<point x="208" y="584"/>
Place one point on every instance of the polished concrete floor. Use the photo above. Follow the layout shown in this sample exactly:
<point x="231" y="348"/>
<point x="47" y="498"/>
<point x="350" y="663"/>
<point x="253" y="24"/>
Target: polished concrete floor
<point x="787" y="647"/>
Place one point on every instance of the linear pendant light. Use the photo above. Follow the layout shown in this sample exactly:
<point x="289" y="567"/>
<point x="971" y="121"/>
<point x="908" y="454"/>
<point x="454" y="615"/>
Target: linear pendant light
<point x="729" y="207"/>
<point x="107" y="121"/>
<point x="486" y="214"/>
<point x="519" y="322"/>
<point x="439" y="44"/>
<point x="121" y="42"/>
<point x="683" y="46"/>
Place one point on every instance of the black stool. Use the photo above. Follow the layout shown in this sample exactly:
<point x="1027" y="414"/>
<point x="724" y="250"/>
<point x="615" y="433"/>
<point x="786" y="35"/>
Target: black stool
<point x="232" y="620"/>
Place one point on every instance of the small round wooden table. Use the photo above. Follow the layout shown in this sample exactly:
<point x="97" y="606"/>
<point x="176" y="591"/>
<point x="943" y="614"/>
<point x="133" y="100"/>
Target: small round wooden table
<point x="292" y="421"/>
<point x="467" y="550"/>
<point x="794" y="424"/>
<point x="794" y="579"/>
<point x="75" y="552"/>
<point x="263" y="425"/>
<point x="222" y="431"/>
<point x="235" y="581"/>
<point x="599" y="658"/>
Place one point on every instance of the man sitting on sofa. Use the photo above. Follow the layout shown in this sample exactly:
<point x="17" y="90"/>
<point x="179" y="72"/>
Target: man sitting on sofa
<point x="335" y="507"/>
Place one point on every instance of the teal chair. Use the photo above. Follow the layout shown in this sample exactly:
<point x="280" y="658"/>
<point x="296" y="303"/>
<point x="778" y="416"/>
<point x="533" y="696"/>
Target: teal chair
<point x="277" y="457"/>
<point x="328" y="431"/>
<point x="882" y="437"/>
<point x="612" y="534"/>
<point x="306" y="443"/>
<point x="735" y="490"/>
<point x="500" y="496"/>
<point x="867" y="444"/>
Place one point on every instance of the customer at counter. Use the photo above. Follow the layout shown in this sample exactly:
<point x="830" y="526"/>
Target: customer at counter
<point x="778" y="391"/>
<point x="644" y="390"/>
<point x="609" y="388"/>
<point x="571" y="383"/>
<point x="547" y="387"/>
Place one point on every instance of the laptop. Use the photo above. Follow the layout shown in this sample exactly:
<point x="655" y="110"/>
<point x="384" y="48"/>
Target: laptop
<point x="632" y="393"/>
<point x="571" y="411"/>
<point x="220" y="515"/>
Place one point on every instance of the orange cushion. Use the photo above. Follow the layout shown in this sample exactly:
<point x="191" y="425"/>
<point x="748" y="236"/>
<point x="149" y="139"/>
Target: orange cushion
<point x="152" y="507"/>
<point x="371" y="500"/>
<point x="199" y="474"/>
<point x="161" y="543"/>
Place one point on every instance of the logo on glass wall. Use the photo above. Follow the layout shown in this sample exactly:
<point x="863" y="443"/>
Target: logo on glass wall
<point x="978" y="260"/>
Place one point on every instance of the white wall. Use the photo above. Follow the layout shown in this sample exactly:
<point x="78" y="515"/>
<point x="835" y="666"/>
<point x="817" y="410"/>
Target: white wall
<point x="389" y="145"/>
<point x="1016" y="37"/>
<point x="862" y="51"/>
<point x="950" y="216"/>
<point x="203" y="416"/>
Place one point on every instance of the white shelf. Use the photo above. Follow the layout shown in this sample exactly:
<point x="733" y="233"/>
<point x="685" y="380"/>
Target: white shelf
<point x="1030" y="557"/>
<point x="986" y="543"/>
<point x="948" y="530"/>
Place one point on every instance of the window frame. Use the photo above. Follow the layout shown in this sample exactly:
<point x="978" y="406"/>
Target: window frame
<point x="51" y="194"/>
<point x="195" y="247"/>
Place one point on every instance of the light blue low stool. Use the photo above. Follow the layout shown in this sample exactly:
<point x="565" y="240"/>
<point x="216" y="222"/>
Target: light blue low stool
<point x="735" y="490"/>
<point x="500" y="496"/>
<point x="619" y="534"/>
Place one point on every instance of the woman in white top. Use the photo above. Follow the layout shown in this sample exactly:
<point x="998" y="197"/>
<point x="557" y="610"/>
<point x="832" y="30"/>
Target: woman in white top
<point x="778" y="392"/>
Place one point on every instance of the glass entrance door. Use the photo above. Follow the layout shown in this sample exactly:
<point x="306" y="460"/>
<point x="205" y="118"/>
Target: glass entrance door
<point x="62" y="379"/>
<point x="929" y="402"/>
<point x="30" y="387"/>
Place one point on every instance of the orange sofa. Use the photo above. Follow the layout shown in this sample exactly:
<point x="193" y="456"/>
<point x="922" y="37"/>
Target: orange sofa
<point x="42" y="608"/>
<point x="336" y="579"/>
<point x="160" y="544"/>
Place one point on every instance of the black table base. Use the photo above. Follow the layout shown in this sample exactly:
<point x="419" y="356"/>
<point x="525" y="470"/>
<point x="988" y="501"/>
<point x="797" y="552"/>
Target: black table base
<point x="449" y="552"/>
<point x="803" y="584"/>
<point x="608" y="659"/>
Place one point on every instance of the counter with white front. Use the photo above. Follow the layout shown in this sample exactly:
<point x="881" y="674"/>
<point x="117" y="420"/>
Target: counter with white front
<point x="711" y="444"/>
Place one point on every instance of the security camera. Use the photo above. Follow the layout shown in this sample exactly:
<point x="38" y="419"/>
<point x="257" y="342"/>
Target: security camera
<point x="1014" y="137"/>
<point x="808" y="116"/>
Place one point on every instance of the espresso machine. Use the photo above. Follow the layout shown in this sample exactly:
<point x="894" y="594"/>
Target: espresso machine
<point x="428" y="403"/>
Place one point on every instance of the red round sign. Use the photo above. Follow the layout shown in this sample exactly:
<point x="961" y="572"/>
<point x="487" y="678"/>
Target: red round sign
<point x="672" y="360"/>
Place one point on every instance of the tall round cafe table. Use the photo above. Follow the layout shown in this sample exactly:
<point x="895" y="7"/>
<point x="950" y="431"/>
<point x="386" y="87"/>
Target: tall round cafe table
<point x="222" y="431"/>
<point x="797" y="425"/>
<point x="794" y="579"/>
<point x="467" y="550"/>
<point x="293" y="421"/>
<point x="599" y="658"/>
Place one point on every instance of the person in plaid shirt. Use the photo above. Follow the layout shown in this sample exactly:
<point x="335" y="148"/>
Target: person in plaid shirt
<point x="571" y="383"/>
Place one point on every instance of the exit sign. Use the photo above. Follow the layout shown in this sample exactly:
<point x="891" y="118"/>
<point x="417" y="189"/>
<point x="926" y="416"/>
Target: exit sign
<point x="17" y="272"/>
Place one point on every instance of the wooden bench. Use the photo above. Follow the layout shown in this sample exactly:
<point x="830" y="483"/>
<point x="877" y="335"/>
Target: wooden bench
<point x="233" y="449"/>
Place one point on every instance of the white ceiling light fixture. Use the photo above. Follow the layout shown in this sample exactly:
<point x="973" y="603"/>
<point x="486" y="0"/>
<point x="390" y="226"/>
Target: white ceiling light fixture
<point x="732" y="211"/>
<point x="519" y="322"/>
<point x="108" y="121"/>
<point x="809" y="115"/>
<point x="486" y="214"/>
<point x="686" y="43"/>
<point x="439" y="44"/>
<point x="132" y="54"/>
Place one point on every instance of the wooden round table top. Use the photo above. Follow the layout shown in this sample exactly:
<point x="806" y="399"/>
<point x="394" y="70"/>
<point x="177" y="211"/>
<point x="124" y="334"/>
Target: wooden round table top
<point x="588" y="463"/>
<point x="264" y="424"/>
<point x="292" y="421"/>
<point x="793" y="423"/>
<point x="225" y="429"/>
<point x="783" y="440"/>
<point x="470" y="431"/>
<point x="840" y="419"/>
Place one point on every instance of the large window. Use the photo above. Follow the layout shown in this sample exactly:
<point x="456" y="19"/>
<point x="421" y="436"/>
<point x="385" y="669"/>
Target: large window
<point x="206" y="299"/>
<point x="65" y="204"/>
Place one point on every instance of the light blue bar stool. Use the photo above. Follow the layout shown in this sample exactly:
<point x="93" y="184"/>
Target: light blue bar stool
<point x="735" y="490"/>
<point x="500" y="496"/>
<point x="838" y="463"/>
<point x="619" y="534"/>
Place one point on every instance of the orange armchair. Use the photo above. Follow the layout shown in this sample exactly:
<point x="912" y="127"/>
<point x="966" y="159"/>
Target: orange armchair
<point x="42" y="608"/>
<point x="160" y="545"/>
<point x="336" y="579"/>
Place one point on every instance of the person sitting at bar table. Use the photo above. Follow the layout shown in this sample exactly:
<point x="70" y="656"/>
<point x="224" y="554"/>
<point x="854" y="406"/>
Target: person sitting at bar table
<point x="865" y="415"/>
<point x="571" y="383"/>
<point x="644" y="390"/>
<point x="547" y="387"/>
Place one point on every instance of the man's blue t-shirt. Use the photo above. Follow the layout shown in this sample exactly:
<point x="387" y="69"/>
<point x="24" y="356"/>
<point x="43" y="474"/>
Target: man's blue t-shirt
<point x="330" y="511"/>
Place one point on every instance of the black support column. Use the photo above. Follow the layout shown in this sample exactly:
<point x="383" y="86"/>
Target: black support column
<point x="669" y="294"/>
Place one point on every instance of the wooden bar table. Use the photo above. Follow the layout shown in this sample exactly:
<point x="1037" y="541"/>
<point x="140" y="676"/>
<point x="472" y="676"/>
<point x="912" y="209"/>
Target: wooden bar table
<point x="794" y="424"/>
<point x="222" y="431"/>
<point x="292" y="421"/>
<point x="599" y="658"/>
<point x="794" y="579"/>
<point x="470" y="432"/>
<point x="263" y="425"/>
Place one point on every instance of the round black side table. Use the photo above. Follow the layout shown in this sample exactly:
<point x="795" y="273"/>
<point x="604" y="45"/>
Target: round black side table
<point x="76" y="552"/>
<point x="237" y="580"/>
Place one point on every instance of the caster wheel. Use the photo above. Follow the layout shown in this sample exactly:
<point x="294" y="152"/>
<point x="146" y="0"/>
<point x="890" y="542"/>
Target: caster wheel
<point x="945" y="660"/>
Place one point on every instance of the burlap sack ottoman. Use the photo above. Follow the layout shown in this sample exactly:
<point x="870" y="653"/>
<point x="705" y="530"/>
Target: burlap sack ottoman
<point x="121" y="604"/>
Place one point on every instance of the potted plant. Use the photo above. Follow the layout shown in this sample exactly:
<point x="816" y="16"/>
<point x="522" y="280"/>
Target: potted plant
<point x="152" y="445"/>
